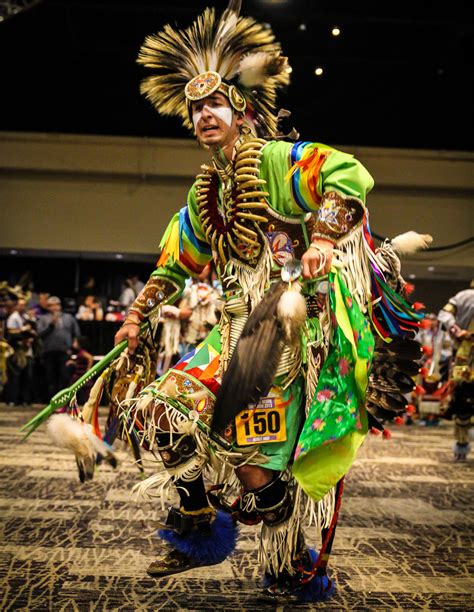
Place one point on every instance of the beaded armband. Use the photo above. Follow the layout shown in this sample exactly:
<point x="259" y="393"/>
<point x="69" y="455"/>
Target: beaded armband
<point x="337" y="217"/>
<point x="156" y="292"/>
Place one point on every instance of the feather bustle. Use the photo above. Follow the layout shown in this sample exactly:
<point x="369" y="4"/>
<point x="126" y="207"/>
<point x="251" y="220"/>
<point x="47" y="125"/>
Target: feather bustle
<point x="393" y="366"/>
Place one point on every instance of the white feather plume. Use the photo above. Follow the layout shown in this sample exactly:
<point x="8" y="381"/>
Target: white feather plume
<point x="79" y="438"/>
<point x="411" y="242"/>
<point x="255" y="68"/>
<point x="68" y="433"/>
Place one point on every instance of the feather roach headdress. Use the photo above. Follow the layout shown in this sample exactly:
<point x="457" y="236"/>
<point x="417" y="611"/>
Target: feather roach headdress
<point x="233" y="55"/>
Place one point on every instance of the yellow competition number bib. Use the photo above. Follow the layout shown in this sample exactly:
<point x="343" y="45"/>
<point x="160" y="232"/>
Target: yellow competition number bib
<point x="266" y="423"/>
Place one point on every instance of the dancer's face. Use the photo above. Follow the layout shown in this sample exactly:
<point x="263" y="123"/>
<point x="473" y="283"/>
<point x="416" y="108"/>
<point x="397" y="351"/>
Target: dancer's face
<point x="215" y="123"/>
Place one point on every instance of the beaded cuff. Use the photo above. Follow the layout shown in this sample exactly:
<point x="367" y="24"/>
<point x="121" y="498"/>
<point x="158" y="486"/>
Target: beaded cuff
<point x="337" y="217"/>
<point x="156" y="292"/>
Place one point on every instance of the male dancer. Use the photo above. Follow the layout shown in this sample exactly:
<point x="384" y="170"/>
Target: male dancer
<point x="261" y="203"/>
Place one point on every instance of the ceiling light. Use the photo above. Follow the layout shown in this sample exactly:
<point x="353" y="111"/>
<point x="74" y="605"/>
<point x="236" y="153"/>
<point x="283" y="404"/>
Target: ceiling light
<point x="319" y="71"/>
<point x="13" y="252"/>
<point x="119" y="256"/>
<point x="302" y="27"/>
<point x="335" y="31"/>
<point x="430" y="268"/>
<point x="412" y="276"/>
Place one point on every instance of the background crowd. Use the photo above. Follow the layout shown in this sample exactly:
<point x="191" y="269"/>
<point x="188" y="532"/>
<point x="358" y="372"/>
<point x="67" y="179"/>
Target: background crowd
<point x="47" y="342"/>
<point x="44" y="346"/>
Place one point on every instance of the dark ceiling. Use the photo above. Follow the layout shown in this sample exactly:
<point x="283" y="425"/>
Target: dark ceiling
<point x="399" y="75"/>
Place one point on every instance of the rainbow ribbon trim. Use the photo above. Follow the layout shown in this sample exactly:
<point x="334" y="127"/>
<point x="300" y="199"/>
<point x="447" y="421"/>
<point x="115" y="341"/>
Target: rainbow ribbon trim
<point x="181" y="246"/>
<point x="390" y="313"/>
<point x="306" y="161"/>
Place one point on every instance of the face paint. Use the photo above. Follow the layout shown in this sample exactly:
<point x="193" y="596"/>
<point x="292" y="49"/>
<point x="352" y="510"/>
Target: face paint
<point x="224" y="113"/>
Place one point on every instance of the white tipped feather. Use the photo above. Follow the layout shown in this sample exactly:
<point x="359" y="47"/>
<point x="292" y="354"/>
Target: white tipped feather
<point x="411" y="242"/>
<point x="291" y="312"/>
<point x="255" y="68"/>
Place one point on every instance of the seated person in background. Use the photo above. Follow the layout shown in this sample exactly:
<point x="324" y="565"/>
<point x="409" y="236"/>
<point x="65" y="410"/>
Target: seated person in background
<point x="90" y="310"/>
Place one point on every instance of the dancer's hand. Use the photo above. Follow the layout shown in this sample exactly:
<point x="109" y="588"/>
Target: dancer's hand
<point x="130" y="332"/>
<point x="317" y="259"/>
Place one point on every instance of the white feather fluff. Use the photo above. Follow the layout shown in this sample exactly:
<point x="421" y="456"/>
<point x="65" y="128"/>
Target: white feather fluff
<point x="291" y="312"/>
<point x="68" y="433"/>
<point x="411" y="242"/>
<point x="255" y="68"/>
<point x="76" y="436"/>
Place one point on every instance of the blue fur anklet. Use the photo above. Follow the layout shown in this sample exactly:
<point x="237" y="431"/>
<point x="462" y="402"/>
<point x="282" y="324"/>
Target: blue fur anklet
<point x="319" y="588"/>
<point x="205" y="547"/>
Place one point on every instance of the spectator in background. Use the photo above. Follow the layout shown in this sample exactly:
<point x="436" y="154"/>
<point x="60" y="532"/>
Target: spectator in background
<point x="90" y="310"/>
<point x="137" y="284"/>
<point x="57" y="331"/>
<point x="41" y="306"/>
<point x="17" y="322"/>
<point x="200" y="310"/>
<point x="19" y="386"/>
<point x="38" y="394"/>
<point x="88" y="288"/>
<point x="5" y="352"/>
<point x="81" y="361"/>
<point x="21" y="335"/>
<point x="8" y="300"/>
<point x="133" y="286"/>
<point x="184" y="326"/>
<point x="127" y="297"/>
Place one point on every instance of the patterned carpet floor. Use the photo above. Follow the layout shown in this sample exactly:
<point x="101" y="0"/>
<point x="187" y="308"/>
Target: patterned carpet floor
<point x="404" y="540"/>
